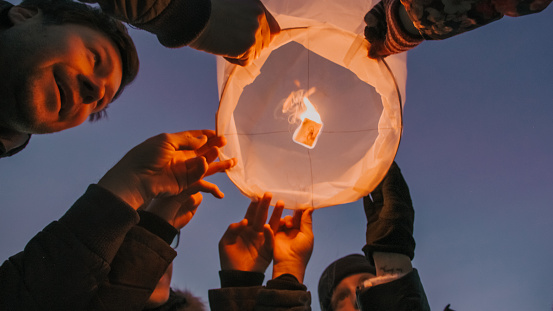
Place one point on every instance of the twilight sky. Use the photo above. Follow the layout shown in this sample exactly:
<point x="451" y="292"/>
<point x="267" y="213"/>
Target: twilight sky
<point x="476" y="152"/>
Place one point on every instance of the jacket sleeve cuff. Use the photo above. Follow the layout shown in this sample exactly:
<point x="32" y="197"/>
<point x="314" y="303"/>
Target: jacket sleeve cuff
<point x="157" y="226"/>
<point x="398" y="39"/>
<point x="395" y="295"/>
<point x="237" y="278"/>
<point x="141" y="252"/>
<point x="286" y="281"/>
<point x="369" y="250"/>
<point x="284" y="293"/>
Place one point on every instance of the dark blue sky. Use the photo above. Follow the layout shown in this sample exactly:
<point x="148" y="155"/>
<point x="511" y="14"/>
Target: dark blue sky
<point x="476" y="153"/>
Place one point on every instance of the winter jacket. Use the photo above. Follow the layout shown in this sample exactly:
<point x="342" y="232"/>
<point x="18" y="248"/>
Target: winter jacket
<point x="282" y="293"/>
<point x="87" y="260"/>
<point x="175" y="22"/>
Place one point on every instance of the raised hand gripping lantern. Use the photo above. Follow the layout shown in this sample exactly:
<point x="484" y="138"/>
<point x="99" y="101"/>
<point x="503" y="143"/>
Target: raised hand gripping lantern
<point x="313" y="120"/>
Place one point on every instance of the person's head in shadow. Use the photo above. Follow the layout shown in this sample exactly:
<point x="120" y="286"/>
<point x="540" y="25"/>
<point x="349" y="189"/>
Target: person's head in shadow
<point x="61" y="63"/>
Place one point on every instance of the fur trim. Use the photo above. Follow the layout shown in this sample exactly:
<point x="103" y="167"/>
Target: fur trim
<point x="193" y="303"/>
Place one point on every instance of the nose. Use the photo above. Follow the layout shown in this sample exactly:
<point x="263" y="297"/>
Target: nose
<point x="92" y="89"/>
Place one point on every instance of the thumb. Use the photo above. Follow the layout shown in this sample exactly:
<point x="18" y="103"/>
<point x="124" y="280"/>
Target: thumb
<point x="307" y="221"/>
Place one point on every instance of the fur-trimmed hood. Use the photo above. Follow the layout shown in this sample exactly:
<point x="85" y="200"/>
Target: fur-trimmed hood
<point x="182" y="300"/>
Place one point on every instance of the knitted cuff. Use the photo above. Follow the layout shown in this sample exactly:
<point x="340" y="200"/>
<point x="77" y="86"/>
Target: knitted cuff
<point x="385" y="31"/>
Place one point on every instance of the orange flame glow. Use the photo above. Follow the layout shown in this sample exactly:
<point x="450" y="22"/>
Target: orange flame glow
<point x="301" y="110"/>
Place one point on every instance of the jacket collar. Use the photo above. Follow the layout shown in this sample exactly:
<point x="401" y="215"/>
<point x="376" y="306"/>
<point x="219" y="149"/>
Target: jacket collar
<point x="12" y="142"/>
<point x="4" y="20"/>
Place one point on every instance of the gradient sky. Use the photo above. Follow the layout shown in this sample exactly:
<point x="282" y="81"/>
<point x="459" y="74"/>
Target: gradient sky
<point x="476" y="152"/>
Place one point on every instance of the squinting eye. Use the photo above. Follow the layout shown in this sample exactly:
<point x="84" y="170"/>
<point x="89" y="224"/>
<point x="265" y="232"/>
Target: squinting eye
<point x="95" y="58"/>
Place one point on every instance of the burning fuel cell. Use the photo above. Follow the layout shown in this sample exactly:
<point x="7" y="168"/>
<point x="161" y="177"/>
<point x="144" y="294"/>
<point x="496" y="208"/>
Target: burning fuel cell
<point x="298" y="108"/>
<point x="307" y="133"/>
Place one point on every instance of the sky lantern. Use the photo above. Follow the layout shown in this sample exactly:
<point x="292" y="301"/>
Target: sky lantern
<point x="313" y="120"/>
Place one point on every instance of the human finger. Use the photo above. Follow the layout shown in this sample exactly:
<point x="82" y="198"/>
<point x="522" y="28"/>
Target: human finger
<point x="269" y="236"/>
<point x="233" y="231"/>
<point x="187" y="210"/>
<point x="274" y="221"/>
<point x="296" y="219"/>
<point x="191" y="202"/>
<point x="288" y="223"/>
<point x="262" y="212"/>
<point x="220" y="166"/>
<point x="196" y="133"/>
<point x="189" y="173"/>
<point x="307" y="221"/>
<point x="206" y="187"/>
<point x="250" y="212"/>
<point x="212" y="141"/>
<point x="188" y="140"/>
<point x="211" y="154"/>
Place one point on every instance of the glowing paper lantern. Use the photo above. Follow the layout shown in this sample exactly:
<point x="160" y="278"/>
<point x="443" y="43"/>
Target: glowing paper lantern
<point x="313" y="120"/>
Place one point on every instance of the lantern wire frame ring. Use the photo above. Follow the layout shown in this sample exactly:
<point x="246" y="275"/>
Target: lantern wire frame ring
<point x="247" y="192"/>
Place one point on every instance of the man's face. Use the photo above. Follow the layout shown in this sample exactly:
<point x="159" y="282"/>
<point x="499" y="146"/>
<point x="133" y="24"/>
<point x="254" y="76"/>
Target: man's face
<point x="55" y="76"/>
<point x="344" y="297"/>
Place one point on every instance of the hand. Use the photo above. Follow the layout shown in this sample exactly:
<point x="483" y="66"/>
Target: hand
<point x="294" y="244"/>
<point x="390" y="217"/>
<point x="514" y="8"/>
<point x="167" y="165"/>
<point x="238" y="30"/>
<point x="389" y="29"/>
<point x="176" y="210"/>
<point x="248" y="244"/>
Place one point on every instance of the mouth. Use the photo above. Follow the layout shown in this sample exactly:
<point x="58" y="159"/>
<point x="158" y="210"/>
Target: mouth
<point x="62" y="98"/>
<point x="61" y="93"/>
<point x="65" y="105"/>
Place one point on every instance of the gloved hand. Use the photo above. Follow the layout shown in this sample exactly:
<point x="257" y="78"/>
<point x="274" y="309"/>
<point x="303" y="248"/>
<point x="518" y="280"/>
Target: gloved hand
<point x="237" y="30"/>
<point x="389" y="29"/>
<point x="390" y="217"/>
<point x="516" y="8"/>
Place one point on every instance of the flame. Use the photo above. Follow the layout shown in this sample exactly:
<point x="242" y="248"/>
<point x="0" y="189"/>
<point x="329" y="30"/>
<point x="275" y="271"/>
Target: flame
<point x="301" y="110"/>
<point x="298" y="106"/>
<point x="310" y="111"/>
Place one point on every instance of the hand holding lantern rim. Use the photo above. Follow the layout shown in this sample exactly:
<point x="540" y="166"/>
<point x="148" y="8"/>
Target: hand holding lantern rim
<point x="237" y="30"/>
<point x="294" y="243"/>
<point x="248" y="245"/>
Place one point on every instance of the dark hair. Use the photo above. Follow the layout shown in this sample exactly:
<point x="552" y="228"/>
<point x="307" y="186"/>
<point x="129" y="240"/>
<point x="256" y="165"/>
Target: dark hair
<point x="67" y="11"/>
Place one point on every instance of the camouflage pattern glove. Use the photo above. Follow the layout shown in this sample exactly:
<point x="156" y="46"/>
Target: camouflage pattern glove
<point x="385" y="32"/>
